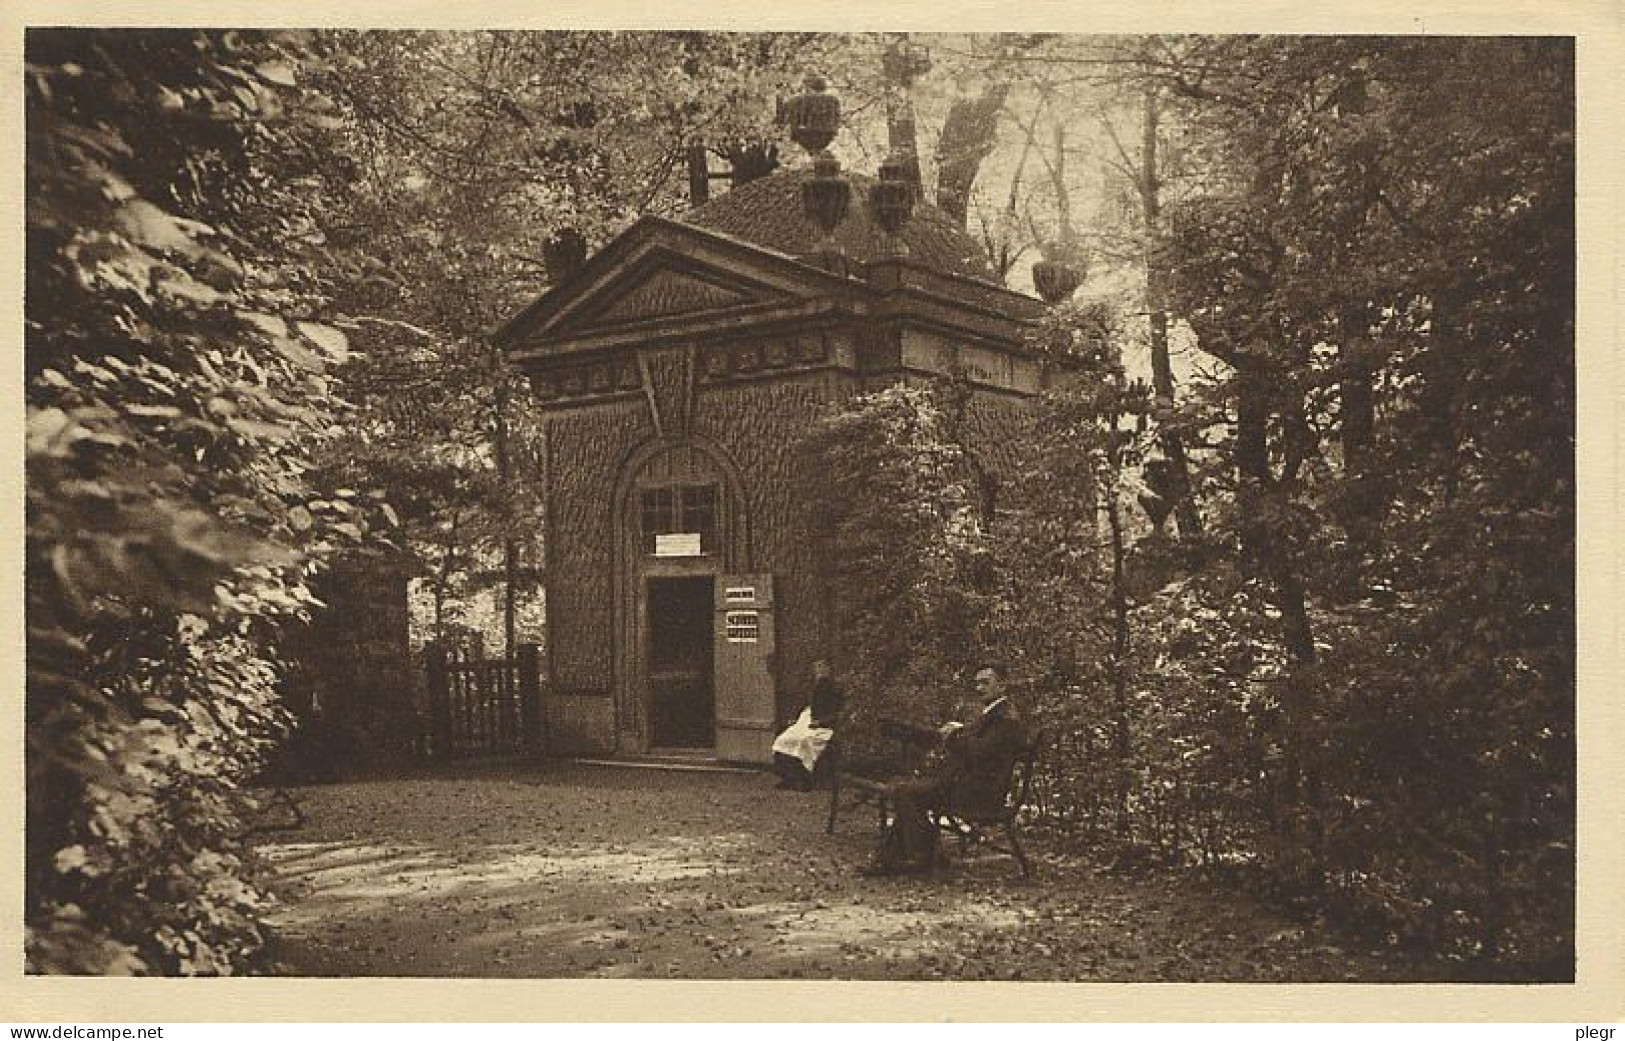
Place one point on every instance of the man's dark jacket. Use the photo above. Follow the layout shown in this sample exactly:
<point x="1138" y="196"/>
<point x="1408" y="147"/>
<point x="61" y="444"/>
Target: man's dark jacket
<point x="980" y="758"/>
<point x="973" y="779"/>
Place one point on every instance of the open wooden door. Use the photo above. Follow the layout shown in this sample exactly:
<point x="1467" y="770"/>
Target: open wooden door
<point x="745" y="692"/>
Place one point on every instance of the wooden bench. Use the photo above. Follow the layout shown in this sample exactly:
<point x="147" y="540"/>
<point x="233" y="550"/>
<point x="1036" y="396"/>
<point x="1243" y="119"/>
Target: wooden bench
<point x="999" y="829"/>
<point x="988" y="826"/>
<point x="843" y="779"/>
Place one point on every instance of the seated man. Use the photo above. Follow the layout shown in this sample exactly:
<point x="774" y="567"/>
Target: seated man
<point x="797" y="751"/>
<point x="973" y="777"/>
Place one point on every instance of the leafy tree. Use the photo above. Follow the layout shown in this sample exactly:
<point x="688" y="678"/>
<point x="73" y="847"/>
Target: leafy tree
<point x="179" y="383"/>
<point x="909" y="591"/>
<point x="1063" y="540"/>
<point x="1404" y="452"/>
<point x="1358" y="683"/>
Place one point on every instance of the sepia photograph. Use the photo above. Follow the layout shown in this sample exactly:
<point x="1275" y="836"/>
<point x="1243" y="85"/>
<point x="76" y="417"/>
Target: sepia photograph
<point x="834" y="506"/>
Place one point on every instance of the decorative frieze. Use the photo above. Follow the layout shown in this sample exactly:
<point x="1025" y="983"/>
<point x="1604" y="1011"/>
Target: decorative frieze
<point x="755" y="357"/>
<point x="715" y="363"/>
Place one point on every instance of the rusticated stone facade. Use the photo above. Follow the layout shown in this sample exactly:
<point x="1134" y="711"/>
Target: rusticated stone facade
<point x="678" y="369"/>
<point x="759" y="420"/>
<point x="585" y="449"/>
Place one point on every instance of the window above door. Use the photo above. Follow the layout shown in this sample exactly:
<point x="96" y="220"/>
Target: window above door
<point x="678" y="510"/>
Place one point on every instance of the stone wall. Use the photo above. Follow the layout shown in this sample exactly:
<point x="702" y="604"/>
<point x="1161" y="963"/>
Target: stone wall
<point x="756" y="418"/>
<point x="585" y="451"/>
<point x="993" y="424"/>
<point x="758" y="424"/>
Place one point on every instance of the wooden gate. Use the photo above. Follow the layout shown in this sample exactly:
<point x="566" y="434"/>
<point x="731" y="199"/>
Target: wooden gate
<point x="482" y="705"/>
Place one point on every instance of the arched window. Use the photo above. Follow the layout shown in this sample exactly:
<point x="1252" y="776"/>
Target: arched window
<point x="679" y="503"/>
<point x="679" y="520"/>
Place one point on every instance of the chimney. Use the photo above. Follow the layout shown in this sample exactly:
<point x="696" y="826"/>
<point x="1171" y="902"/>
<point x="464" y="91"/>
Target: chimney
<point x="563" y="253"/>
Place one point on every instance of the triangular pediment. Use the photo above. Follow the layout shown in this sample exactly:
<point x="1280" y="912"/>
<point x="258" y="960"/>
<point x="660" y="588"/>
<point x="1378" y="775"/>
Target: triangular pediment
<point x="665" y="288"/>
<point x="661" y="277"/>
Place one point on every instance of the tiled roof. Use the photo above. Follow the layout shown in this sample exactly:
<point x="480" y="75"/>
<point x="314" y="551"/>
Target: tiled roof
<point x="768" y="212"/>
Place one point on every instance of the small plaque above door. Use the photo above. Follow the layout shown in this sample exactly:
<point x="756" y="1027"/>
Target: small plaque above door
<point x="680" y="544"/>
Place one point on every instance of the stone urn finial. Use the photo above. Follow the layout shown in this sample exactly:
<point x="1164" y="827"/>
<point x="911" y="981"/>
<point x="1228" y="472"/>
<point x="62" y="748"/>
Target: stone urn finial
<point x="814" y="115"/>
<point x="815" y="118"/>
<point x="1060" y="273"/>
<point x="825" y="197"/>
<point x="891" y="200"/>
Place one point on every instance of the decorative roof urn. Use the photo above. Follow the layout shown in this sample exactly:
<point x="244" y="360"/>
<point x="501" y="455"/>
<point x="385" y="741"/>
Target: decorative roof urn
<point x="826" y="195"/>
<point x="891" y="200"/>
<point x="1059" y="274"/>
<point x="815" y="117"/>
<point x="563" y="253"/>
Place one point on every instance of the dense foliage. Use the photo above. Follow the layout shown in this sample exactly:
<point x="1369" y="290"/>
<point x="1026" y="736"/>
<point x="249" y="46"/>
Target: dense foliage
<point x="178" y="382"/>
<point x="896" y="490"/>
<point x="1354" y="685"/>
<point x="1404" y="465"/>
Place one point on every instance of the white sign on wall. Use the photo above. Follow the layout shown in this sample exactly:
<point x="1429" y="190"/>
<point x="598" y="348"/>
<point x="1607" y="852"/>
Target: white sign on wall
<point x="681" y="544"/>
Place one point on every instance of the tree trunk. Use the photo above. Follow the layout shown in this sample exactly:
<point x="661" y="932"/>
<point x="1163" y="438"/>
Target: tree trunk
<point x="968" y="137"/>
<point x="442" y="580"/>
<point x="1356" y="393"/>
<point x="1120" y="629"/>
<point x="699" y="175"/>
<point x="1442" y="372"/>
<point x="1296" y="626"/>
<point x="1063" y="199"/>
<point x="1120" y="727"/>
<point x="1252" y="455"/>
<point x="510" y="548"/>
<point x="1363" y="509"/>
<point x="748" y="161"/>
<point x="1162" y="371"/>
<point x="440" y="607"/>
<point x="1265" y="551"/>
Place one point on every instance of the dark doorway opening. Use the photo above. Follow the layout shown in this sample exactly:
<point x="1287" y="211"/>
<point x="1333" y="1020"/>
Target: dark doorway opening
<point x="682" y="701"/>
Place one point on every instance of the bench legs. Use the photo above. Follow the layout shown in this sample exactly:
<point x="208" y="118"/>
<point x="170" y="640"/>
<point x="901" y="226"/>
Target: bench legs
<point x="1015" y="847"/>
<point x="986" y="833"/>
<point x="867" y="789"/>
<point x="1011" y="832"/>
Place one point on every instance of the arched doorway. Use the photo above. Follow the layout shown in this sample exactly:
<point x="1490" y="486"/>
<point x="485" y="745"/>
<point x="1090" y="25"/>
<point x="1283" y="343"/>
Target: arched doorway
<point x="692" y="657"/>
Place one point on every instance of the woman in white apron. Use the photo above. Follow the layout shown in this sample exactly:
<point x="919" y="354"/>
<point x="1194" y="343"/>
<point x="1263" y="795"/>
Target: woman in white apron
<point x="796" y="751"/>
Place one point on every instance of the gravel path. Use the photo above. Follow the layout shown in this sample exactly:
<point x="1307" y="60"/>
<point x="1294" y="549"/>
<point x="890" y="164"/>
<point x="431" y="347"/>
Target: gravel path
<point x="570" y="871"/>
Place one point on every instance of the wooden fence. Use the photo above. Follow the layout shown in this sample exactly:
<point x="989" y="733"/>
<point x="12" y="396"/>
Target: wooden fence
<point x="483" y="705"/>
